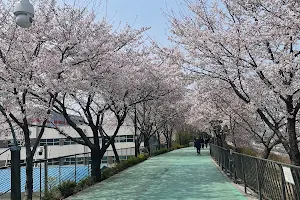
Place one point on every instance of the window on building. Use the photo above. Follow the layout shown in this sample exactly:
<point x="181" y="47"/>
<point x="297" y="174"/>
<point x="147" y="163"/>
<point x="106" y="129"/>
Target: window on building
<point x="117" y="139"/>
<point x="69" y="142"/>
<point x="104" y="160"/>
<point x="53" y="161"/>
<point x="129" y="138"/>
<point x="21" y="162"/>
<point x="123" y="157"/>
<point x="123" y="138"/>
<point x="69" y="161"/>
<point x="11" y="143"/>
<point x="80" y="160"/>
<point x="49" y="142"/>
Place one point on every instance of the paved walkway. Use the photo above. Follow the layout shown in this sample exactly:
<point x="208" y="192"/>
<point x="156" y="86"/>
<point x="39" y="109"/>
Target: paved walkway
<point x="180" y="174"/>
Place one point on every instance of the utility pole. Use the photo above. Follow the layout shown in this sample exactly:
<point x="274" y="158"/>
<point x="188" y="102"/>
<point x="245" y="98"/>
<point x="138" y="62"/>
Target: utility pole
<point x="46" y="168"/>
<point x="135" y="133"/>
<point x="15" y="173"/>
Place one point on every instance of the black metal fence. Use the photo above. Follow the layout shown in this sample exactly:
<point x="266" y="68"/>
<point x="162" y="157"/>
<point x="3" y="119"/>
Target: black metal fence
<point x="269" y="179"/>
<point x="48" y="173"/>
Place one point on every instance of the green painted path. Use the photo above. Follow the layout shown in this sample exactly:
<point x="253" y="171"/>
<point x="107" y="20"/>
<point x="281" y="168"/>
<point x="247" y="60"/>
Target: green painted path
<point x="180" y="174"/>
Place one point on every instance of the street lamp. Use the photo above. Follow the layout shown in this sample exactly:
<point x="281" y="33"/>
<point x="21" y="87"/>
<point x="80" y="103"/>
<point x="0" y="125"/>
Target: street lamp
<point x="24" y="12"/>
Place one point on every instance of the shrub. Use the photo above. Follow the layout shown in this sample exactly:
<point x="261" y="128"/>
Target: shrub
<point x="247" y="151"/>
<point x="177" y="146"/>
<point x="279" y="158"/>
<point x="142" y="157"/>
<point x="160" y="151"/>
<point x="53" y="194"/>
<point x="108" y="172"/>
<point x="84" y="183"/>
<point x="67" y="188"/>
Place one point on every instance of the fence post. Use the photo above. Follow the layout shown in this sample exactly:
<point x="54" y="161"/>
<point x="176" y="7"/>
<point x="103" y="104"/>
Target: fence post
<point x="46" y="167"/>
<point x="258" y="179"/>
<point x="223" y="161"/>
<point x="15" y="173"/>
<point x="244" y="175"/>
<point x="75" y="168"/>
<point x="59" y="169"/>
<point x="231" y="164"/>
<point x="40" y="180"/>
<point x="234" y="168"/>
<point x="88" y="164"/>
<point x="282" y="184"/>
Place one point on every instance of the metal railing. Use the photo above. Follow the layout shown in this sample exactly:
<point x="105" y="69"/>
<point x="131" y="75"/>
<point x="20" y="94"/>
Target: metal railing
<point x="66" y="168"/>
<point x="269" y="179"/>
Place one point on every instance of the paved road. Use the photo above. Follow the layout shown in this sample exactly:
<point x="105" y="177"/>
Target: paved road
<point x="180" y="174"/>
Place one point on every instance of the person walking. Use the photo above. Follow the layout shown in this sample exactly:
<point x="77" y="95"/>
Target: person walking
<point x="206" y="142"/>
<point x="198" y="145"/>
<point x="202" y="142"/>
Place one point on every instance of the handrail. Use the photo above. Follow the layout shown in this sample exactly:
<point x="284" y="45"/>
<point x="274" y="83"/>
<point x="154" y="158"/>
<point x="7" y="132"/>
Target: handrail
<point x="266" y="177"/>
<point x="277" y="162"/>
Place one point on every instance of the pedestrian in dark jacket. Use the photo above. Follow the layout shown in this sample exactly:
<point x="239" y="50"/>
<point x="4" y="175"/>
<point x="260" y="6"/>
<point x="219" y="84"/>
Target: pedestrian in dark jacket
<point x="202" y="142"/>
<point x="206" y="142"/>
<point x="198" y="145"/>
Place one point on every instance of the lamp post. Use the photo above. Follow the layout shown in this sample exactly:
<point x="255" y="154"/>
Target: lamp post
<point x="15" y="161"/>
<point x="24" y="12"/>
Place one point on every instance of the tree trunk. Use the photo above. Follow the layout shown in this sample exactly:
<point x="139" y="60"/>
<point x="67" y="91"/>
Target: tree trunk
<point x="117" y="158"/>
<point x="146" y="144"/>
<point x="170" y="138"/>
<point x="138" y="145"/>
<point x="167" y="140"/>
<point x="96" y="164"/>
<point x="294" y="153"/>
<point x="266" y="153"/>
<point x="223" y="140"/>
<point x="29" y="176"/>
<point x="180" y="139"/>
<point x="158" y="140"/>
<point x="219" y="140"/>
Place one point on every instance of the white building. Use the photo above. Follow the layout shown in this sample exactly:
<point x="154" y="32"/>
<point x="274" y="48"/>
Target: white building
<point x="59" y="146"/>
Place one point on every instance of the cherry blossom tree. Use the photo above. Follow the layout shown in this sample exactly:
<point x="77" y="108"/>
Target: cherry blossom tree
<point x="253" y="47"/>
<point x="162" y="116"/>
<point x="23" y="57"/>
<point x="216" y="101"/>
